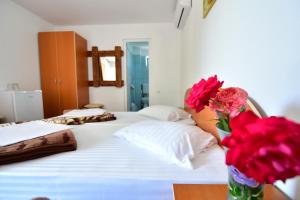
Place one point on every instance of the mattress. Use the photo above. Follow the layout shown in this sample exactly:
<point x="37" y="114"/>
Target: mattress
<point x="106" y="167"/>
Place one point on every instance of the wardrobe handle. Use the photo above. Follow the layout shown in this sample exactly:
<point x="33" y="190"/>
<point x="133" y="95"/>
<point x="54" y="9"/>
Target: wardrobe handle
<point x="55" y="81"/>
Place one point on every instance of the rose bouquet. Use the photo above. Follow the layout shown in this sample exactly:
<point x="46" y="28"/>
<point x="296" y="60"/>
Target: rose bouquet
<point x="260" y="150"/>
<point x="226" y="103"/>
<point x="265" y="149"/>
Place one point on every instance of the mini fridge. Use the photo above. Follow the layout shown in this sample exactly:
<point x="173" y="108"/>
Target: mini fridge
<point x="18" y="106"/>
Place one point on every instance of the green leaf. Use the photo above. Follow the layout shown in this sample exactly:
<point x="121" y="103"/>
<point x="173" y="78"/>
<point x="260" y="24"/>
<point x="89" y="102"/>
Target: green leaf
<point x="220" y="115"/>
<point x="219" y="125"/>
<point x="243" y="109"/>
<point x="225" y="125"/>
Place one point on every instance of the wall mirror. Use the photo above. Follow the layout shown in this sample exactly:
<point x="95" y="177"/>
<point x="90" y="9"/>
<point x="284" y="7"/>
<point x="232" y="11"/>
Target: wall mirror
<point x="107" y="67"/>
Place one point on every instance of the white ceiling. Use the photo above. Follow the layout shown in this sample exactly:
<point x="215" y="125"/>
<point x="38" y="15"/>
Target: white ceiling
<point x="79" y="12"/>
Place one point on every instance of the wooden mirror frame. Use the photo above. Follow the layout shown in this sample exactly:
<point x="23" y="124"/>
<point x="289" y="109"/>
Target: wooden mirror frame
<point x="97" y="68"/>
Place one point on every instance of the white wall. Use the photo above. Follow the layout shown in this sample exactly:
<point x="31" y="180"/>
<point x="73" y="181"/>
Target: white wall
<point x="164" y="69"/>
<point x="252" y="44"/>
<point x="19" y="60"/>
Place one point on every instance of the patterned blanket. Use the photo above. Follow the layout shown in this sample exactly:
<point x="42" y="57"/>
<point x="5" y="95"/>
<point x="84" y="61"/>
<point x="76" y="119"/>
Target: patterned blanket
<point x="81" y="120"/>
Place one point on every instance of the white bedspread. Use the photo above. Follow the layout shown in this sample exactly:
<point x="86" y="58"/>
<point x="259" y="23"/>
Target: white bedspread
<point x="107" y="162"/>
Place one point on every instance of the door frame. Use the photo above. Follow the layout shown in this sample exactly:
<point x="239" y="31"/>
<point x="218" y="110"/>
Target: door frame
<point x="125" y="69"/>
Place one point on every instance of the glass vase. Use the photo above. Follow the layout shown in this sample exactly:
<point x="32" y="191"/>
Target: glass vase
<point x="240" y="187"/>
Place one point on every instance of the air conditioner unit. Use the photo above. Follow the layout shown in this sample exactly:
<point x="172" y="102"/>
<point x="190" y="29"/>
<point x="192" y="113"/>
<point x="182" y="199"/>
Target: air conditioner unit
<point x="182" y="12"/>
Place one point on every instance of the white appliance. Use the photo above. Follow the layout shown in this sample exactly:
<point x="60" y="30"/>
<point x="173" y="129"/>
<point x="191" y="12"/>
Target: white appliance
<point x="21" y="105"/>
<point x="182" y="12"/>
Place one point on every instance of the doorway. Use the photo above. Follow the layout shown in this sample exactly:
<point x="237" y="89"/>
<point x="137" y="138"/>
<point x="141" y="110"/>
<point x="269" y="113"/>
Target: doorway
<point x="137" y="58"/>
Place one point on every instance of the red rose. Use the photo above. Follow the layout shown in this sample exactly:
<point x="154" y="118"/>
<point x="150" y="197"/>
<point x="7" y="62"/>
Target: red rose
<point x="229" y="101"/>
<point x="266" y="149"/>
<point x="202" y="92"/>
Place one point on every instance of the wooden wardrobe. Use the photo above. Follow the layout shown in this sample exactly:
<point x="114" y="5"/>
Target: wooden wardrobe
<point x="64" y="71"/>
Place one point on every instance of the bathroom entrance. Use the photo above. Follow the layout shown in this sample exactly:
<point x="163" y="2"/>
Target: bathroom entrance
<point x="137" y="58"/>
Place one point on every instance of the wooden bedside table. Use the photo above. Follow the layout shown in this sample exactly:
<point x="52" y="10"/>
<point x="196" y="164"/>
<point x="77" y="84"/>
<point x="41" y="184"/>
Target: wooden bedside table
<point x="94" y="105"/>
<point x="217" y="192"/>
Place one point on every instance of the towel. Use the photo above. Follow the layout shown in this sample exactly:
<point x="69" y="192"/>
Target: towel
<point x="57" y="142"/>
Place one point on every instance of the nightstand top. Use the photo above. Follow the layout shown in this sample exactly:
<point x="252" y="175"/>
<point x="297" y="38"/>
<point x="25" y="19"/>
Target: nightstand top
<point x="94" y="105"/>
<point x="217" y="192"/>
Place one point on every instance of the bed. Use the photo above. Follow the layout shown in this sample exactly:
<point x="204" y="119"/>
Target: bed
<point x="106" y="167"/>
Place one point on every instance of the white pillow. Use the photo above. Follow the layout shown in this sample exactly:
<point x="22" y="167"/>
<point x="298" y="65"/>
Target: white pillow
<point x="188" y="121"/>
<point x="173" y="141"/>
<point x="166" y="113"/>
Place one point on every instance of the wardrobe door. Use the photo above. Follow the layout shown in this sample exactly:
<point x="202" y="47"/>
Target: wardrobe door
<point x="82" y="71"/>
<point x="67" y="70"/>
<point x="48" y="72"/>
